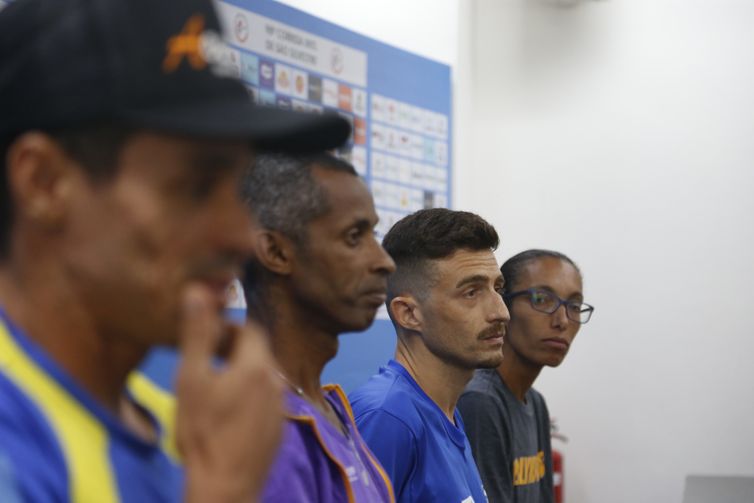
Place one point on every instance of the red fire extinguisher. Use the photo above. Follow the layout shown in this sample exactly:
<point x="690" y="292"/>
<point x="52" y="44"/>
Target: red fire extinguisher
<point x="557" y="463"/>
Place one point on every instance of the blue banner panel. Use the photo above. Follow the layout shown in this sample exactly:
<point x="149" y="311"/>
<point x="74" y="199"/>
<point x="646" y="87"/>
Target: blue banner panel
<point x="398" y="103"/>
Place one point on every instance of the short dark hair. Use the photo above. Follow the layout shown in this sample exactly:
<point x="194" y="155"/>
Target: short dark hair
<point x="282" y="193"/>
<point x="432" y="234"/>
<point x="95" y="148"/>
<point x="511" y="268"/>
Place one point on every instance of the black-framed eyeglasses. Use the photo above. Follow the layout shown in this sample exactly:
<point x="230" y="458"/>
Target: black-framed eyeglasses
<point x="547" y="302"/>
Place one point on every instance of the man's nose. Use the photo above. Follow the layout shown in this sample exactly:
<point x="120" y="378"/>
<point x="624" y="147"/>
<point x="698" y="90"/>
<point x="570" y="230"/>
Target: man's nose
<point x="383" y="262"/>
<point x="499" y="311"/>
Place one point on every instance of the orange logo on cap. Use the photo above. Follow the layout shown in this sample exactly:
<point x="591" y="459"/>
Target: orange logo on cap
<point x="188" y="44"/>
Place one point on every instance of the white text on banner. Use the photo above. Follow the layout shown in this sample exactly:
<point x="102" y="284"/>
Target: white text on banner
<point x="285" y="43"/>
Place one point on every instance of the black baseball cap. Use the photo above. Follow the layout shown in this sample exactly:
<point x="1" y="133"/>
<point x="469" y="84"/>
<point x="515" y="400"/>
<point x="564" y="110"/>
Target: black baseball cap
<point x="153" y="64"/>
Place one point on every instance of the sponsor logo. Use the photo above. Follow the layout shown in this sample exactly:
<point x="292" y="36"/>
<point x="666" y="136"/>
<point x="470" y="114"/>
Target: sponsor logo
<point x="391" y="111"/>
<point x="250" y="68"/>
<point x="351" y="472"/>
<point x="267" y="74"/>
<point x="283" y="79"/>
<point x="187" y="44"/>
<point x="344" y="97"/>
<point x="336" y="60"/>
<point x="241" y="27"/>
<point x="200" y="48"/>
<point x="359" y="131"/>
<point x="315" y="88"/>
<point x="330" y="93"/>
<point x="359" y="102"/>
<point x="300" y="85"/>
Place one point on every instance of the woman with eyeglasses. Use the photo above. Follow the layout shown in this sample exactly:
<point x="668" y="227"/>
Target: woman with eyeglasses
<point x="506" y="420"/>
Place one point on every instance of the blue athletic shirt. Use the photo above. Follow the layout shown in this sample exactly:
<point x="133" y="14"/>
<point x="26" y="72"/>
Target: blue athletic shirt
<point x="58" y="445"/>
<point x="427" y="457"/>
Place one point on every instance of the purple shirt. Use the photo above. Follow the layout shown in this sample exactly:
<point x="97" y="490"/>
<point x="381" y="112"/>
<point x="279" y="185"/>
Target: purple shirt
<point x="317" y="462"/>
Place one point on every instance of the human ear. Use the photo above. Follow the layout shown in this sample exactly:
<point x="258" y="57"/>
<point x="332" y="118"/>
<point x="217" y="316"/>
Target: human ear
<point x="41" y="180"/>
<point x="274" y="251"/>
<point x="406" y="312"/>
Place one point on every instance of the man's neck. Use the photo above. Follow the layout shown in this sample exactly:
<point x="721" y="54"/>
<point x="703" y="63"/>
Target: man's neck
<point x="50" y="315"/>
<point x="301" y="348"/>
<point x="442" y="381"/>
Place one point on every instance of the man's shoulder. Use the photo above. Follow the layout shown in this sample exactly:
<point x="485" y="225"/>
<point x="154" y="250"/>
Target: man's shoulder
<point x="307" y="434"/>
<point x="379" y="391"/>
<point x="387" y="395"/>
<point x="19" y="415"/>
<point x="29" y="450"/>
<point x="300" y="442"/>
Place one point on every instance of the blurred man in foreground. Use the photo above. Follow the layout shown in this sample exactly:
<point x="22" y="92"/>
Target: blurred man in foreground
<point x="121" y="148"/>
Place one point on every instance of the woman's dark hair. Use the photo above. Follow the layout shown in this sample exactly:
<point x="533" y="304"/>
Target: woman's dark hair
<point x="511" y="268"/>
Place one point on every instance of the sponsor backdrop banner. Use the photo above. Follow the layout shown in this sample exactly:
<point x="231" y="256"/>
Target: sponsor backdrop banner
<point x="399" y="105"/>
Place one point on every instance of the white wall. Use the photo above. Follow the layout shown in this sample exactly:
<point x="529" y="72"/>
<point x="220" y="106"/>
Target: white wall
<point x="622" y="133"/>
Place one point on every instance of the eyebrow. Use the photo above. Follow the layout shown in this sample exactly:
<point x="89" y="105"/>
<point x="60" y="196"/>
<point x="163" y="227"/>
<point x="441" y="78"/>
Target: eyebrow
<point x="478" y="278"/>
<point x="360" y="224"/>
<point x="549" y="289"/>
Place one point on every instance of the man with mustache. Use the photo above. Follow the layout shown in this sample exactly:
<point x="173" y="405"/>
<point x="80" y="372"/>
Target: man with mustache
<point x="506" y="419"/>
<point x="318" y="272"/>
<point x="122" y="142"/>
<point x="444" y="301"/>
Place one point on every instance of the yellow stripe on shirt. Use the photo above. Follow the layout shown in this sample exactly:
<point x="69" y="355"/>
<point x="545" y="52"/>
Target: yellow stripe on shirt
<point x="82" y="437"/>
<point x="161" y="405"/>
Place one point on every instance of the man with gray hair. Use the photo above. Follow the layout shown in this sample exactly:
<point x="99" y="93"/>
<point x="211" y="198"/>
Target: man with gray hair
<point x="318" y="272"/>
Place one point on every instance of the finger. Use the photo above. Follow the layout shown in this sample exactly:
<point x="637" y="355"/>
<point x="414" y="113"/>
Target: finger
<point x="230" y="334"/>
<point x="201" y="328"/>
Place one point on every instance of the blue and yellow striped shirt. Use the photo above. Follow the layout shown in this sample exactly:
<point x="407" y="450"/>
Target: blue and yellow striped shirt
<point x="58" y="445"/>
